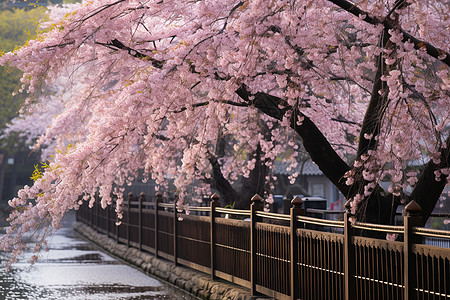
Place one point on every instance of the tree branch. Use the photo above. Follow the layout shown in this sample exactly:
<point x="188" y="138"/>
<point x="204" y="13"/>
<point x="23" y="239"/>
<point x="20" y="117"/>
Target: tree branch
<point x="116" y="44"/>
<point x="200" y="104"/>
<point x="376" y="108"/>
<point x="418" y="44"/>
<point x="342" y="120"/>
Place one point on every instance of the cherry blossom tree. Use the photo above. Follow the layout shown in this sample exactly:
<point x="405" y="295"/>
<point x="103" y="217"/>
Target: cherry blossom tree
<point x="364" y="84"/>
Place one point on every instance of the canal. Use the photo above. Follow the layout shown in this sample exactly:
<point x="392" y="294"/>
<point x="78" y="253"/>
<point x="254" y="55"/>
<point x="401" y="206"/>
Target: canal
<point x="74" y="269"/>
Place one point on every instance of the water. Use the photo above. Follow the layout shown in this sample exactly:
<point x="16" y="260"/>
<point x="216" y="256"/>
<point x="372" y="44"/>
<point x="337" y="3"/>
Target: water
<point x="75" y="269"/>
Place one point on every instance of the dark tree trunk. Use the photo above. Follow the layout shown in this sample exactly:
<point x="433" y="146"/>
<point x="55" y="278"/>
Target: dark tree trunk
<point x="254" y="184"/>
<point x="379" y="207"/>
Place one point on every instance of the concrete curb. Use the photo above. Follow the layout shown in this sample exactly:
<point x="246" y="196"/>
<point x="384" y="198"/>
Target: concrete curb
<point x="196" y="283"/>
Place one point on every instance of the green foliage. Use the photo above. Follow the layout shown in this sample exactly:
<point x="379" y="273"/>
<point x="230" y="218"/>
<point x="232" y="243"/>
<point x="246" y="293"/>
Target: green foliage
<point x="16" y="27"/>
<point x="9" y="79"/>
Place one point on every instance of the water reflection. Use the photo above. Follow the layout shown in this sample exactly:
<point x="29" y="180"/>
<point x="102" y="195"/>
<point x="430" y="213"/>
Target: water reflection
<point x="74" y="269"/>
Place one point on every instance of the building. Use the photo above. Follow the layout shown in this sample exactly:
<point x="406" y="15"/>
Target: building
<point x="310" y="182"/>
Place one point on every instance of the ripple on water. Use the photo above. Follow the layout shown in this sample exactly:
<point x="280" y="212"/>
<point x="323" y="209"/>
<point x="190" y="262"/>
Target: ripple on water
<point x="36" y="283"/>
<point x="74" y="269"/>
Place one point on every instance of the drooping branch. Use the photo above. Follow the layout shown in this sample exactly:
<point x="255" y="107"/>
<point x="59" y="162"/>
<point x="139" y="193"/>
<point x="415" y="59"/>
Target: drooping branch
<point x="200" y="104"/>
<point x="388" y="24"/>
<point x="342" y="120"/>
<point x="99" y="10"/>
<point x="116" y="44"/>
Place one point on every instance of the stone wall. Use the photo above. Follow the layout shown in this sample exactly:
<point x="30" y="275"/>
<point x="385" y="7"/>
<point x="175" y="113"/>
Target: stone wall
<point x="196" y="283"/>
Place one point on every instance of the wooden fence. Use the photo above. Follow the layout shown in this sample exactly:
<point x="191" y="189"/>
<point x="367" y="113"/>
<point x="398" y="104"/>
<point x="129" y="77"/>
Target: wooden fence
<point x="285" y="256"/>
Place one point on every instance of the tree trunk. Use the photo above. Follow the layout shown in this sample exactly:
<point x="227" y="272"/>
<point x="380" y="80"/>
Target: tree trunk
<point x="254" y="184"/>
<point x="380" y="206"/>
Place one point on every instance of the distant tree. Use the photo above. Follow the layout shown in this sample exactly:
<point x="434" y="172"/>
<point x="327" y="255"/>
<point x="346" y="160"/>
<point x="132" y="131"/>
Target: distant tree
<point x="364" y="84"/>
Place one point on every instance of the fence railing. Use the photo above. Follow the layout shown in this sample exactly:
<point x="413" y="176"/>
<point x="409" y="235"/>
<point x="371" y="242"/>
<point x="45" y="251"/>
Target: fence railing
<point x="285" y="256"/>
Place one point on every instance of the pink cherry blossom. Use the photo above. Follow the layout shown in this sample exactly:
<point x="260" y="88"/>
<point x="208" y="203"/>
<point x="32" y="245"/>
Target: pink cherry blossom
<point x="123" y="86"/>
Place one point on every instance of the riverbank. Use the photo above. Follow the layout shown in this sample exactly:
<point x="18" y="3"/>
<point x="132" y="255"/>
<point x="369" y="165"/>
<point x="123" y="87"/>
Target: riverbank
<point x="196" y="283"/>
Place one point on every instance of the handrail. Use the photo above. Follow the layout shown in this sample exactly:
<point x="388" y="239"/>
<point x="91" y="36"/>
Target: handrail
<point x="378" y="227"/>
<point x="427" y="232"/>
<point x="274" y="216"/>
<point x="230" y="211"/>
<point x="165" y="205"/>
<point x="323" y="211"/>
<point x="199" y="208"/>
<point x="316" y="221"/>
<point x="432" y="232"/>
<point x="437" y="215"/>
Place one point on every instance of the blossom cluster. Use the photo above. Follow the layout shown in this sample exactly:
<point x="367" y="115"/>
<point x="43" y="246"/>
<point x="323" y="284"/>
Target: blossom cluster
<point x="152" y="85"/>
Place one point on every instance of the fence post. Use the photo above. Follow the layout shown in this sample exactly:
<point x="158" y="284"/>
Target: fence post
<point x="349" y="256"/>
<point x="141" y="199"/>
<point x="296" y="210"/>
<point x="411" y="219"/>
<point x="158" y="199"/>
<point x="175" y="232"/>
<point x="257" y="205"/>
<point x="214" y="203"/>
<point x="130" y="198"/>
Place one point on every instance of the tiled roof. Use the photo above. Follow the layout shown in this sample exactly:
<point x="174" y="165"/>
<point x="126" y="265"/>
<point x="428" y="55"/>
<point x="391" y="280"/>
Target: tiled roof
<point x="309" y="168"/>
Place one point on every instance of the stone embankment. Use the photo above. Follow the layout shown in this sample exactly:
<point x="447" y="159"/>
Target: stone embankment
<point x="196" y="283"/>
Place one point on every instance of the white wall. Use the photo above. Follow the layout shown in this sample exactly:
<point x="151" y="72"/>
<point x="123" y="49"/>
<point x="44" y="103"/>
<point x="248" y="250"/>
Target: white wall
<point x="322" y="186"/>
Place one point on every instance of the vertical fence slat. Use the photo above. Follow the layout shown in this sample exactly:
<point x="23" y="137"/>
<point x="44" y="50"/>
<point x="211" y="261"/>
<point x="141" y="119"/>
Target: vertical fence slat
<point x="141" y="199"/>
<point x="257" y="205"/>
<point x="214" y="202"/>
<point x="175" y="232"/>
<point x="158" y="199"/>
<point x="130" y="198"/>
<point x="296" y="210"/>
<point x="412" y="218"/>
<point x="349" y="257"/>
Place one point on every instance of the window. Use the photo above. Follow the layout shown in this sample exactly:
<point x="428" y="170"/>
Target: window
<point x="318" y="189"/>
